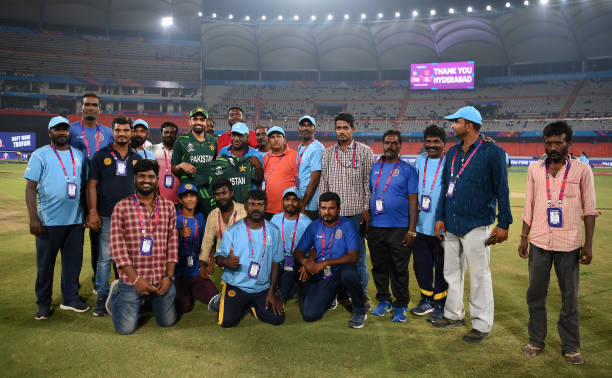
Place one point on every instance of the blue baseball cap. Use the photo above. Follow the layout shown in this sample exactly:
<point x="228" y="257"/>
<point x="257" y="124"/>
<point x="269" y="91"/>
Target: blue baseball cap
<point x="292" y="190"/>
<point x="140" y="122"/>
<point x="58" y="121"/>
<point x="276" y="129"/>
<point x="309" y="118"/>
<point x="187" y="188"/>
<point x="468" y="113"/>
<point x="240" y="128"/>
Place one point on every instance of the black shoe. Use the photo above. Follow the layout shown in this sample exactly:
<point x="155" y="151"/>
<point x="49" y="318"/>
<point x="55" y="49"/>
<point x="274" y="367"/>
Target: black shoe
<point x="76" y="306"/>
<point x="43" y="313"/>
<point x="475" y="336"/>
<point x="100" y="309"/>
<point x="447" y="323"/>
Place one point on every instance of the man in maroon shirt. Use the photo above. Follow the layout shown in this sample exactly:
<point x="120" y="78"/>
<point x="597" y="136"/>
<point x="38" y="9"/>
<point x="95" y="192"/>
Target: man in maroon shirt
<point x="235" y="114"/>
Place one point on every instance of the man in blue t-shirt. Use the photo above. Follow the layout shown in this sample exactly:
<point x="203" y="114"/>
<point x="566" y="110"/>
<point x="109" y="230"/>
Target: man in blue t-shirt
<point x="140" y="134"/>
<point x="309" y="155"/>
<point x="336" y="242"/>
<point x="250" y="253"/>
<point x="55" y="175"/>
<point x="292" y="225"/>
<point x="393" y="203"/>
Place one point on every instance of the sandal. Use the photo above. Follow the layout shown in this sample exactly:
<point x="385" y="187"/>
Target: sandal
<point x="574" y="358"/>
<point x="531" y="350"/>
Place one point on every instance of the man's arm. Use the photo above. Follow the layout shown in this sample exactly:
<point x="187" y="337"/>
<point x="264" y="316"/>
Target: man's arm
<point x="589" y="213"/>
<point x="586" y="252"/>
<point x="273" y="299"/>
<point x="351" y="257"/>
<point x="414" y="215"/>
<point x="36" y="227"/>
<point x="256" y="163"/>
<point x="315" y="177"/>
<point x="523" y="248"/>
<point x="93" y="218"/>
<point x="499" y="175"/>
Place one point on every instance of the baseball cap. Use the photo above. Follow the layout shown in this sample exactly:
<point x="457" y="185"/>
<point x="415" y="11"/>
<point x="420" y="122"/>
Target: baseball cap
<point x="240" y="128"/>
<point x="293" y="190"/>
<point x="140" y="122"/>
<point x="307" y="117"/>
<point x="187" y="188"/>
<point x="195" y="111"/>
<point x="276" y="129"/>
<point x="58" y="121"/>
<point x="468" y="113"/>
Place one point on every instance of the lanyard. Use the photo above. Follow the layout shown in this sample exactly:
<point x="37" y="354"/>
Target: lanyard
<point x="354" y="156"/>
<point x="463" y="165"/>
<point x="294" y="232"/>
<point x="331" y="243"/>
<point x="115" y="156"/>
<point x="195" y="235"/>
<point x="87" y="143"/>
<point x="145" y="153"/>
<point x="141" y="218"/>
<point x="62" y="163"/>
<point x="433" y="184"/>
<point x="166" y="159"/>
<point x="246" y="222"/>
<point x="219" y="222"/>
<point x="388" y="180"/>
<point x="274" y="166"/>
<point x="562" y="192"/>
<point x="299" y="163"/>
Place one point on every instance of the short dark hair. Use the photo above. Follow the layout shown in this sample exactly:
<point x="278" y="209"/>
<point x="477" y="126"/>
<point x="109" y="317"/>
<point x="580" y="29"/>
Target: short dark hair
<point x="435" y="131"/>
<point x="168" y="124"/>
<point x="256" y="195"/>
<point x="235" y="108"/>
<point x="211" y="120"/>
<point x="220" y="182"/>
<point x="146" y="165"/>
<point x="476" y="125"/>
<point x="329" y="196"/>
<point x="122" y="121"/>
<point x="558" y="128"/>
<point x="393" y="132"/>
<point x="346" y="117"/>
<point x="91" y="94"/>
<point x="262" y="127"/>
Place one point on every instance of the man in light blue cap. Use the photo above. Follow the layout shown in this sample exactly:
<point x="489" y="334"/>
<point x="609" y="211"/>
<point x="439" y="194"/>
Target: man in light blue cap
<point x="140" y="134"/>
<point x="239" y="147"/>
<point x="280" y="170"/>
<point x="308" y="162"/>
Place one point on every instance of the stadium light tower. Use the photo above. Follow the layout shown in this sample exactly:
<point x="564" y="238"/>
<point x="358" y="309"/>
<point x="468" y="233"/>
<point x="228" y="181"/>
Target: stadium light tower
<point x="363" y="16"/>
<point x="451" y="11"/>
<point x="508" y="5"/>
<point x="397" y="14"/>
<point x="470" y="9"/>
<point x="313" y="18"/>
<point x="214" y="15"/>
<point x="296" y="17"/>
<point x="379" y="16"/>
<point x="489" y="8"/>
<point x="330" y="17"/>
<point x="167" y="21"/>
<point x="432" y="12"/>
<point x="415" y="13"/>
<point x="526" y="3"/>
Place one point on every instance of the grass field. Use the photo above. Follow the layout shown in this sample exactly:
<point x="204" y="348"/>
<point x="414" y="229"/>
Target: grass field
<point x="71" y="344"/>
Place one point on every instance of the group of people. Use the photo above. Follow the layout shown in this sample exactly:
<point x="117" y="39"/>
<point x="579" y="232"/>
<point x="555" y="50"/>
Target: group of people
<point x="286" y="223"/>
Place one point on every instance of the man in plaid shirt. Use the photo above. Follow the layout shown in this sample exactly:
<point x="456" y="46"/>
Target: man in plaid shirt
<point x="144" y="246"/>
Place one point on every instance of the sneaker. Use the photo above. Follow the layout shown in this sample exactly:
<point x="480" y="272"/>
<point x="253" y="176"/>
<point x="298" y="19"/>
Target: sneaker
<point x="215" y="302"/>
<point x="437" y="314"/>
<point x="114" y="288"/>
<point x="77" y="306"/>
<point x="382" y="308"/>
<point x="94" y="291"/>
<point x="334" y="304"/>
<point x="43" y="313"/>
<point x="357" y="321"/>
<point x="100" y="309"/>
<point x="475" y="336"/>
<point x="423" y="308"/>
<point x="399" y="314"/>
<point x="447" y="323"/>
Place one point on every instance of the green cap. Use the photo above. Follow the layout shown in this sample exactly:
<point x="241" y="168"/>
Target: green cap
<point x="198" y="110"/>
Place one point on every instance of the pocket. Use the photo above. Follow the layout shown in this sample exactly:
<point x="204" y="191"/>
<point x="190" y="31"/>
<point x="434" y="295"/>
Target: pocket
<point x="572" y="189"/>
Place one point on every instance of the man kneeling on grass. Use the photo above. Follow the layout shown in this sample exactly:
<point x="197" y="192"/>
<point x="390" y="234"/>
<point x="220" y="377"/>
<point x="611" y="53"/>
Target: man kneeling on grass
<point x="144" y="246"/>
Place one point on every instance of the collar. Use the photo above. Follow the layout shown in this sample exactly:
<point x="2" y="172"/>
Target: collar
<point x="154" y="200"/>
<point x="287" y="149"/>
<point x="460" y="144"/>
<point x="350" y="145"/>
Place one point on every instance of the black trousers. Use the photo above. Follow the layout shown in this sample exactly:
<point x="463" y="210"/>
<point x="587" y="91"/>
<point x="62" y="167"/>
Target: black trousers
<point x="428" y="265"/>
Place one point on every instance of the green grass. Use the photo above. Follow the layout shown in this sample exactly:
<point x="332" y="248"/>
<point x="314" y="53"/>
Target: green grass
<point x="70" y="344"/>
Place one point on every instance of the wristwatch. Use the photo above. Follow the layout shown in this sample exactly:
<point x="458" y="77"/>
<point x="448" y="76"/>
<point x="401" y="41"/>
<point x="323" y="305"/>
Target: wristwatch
<point x="170" y="277"/>
<point x="412" y="233"/>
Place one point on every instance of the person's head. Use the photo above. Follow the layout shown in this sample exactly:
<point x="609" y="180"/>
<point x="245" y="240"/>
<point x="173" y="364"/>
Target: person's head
<point x="345" y="127"/>
<point x="122" y="130"/>
<point x="557" y="140"/>
<point x="261" y="132"/>
<point x="210" y="126"/>
<point x="466" y="121"/>
<point x="240" y="136"/>
<point x="59" y="131"/>
<point x="140" y="133"/>
<point x="188" y="196"/>
<point x="169" y="132"/>
<point x="145" y="176"/>
<point x="435" y="140"/>
<point x="90" y="106"/>
<point x="306" y="127"/>
<point x="197" y="120"/>
<point x="223" y="192"/>
<point x="329" y="207"/>
<point x="392" y="144"/>
<point x="255" y="205"/>
<point x="291" y="201"/>
<point x="235" y="114"/>
<point x="276" y="138"/>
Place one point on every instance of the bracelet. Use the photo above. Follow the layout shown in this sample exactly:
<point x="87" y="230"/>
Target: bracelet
<point x="524" y="236"/>
<point x="136" y="280"/>
<point x="94" y="211"/>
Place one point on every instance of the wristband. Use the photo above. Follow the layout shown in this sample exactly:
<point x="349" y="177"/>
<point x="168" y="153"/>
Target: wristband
<point x="93" y="211"/>
<point x="524" y="236"/>
<point x="136" y="280"/>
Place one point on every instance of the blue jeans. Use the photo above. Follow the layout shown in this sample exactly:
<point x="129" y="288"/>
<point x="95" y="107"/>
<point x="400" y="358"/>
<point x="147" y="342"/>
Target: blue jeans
<point x="104" y="259"/>
<point x="125" y="308"/>
<point x="362" y="266"/>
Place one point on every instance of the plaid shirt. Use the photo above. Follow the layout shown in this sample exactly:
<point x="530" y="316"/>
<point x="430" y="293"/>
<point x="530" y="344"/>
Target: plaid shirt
<point x="350" y="181"/>
<point x="126" y="237"/>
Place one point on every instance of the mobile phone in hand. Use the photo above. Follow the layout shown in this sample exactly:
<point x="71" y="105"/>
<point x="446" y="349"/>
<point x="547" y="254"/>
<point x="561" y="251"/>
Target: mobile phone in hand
<point x="490" y="240"/>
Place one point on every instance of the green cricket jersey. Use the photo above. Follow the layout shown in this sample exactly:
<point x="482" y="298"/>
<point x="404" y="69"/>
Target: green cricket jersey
<point x="239" y="171"/>
<point x="200" y="154"/>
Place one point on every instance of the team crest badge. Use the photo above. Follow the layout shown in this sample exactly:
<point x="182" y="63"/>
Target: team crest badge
<point x="338" y="234"/>
<point x="107" y="161"/>
<point x="231" y="293"/>
<point x="242" y="168"/>
<point x="190" y="148"/>
<point x="188" y="186"/>
<point x="212" y="148"/>
<point x="218" y="171"/>
<point x="395" y="172"/>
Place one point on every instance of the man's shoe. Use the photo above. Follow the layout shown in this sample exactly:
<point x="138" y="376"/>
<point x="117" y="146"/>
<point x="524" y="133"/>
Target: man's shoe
<point x="382" y="308"/>
<point x="475" y="336"/>
<point x="214" y="304"/>
<point x="114" y="288"/>
<point x="76" y="306"/>
<point x="100" y="309"/>
<point x="437" y="314"/>
<point x="334" y="304"/>
<point x="43" y="313"/>
<point x="447" y="323"/>
<point x="399" y="314"/>
<point x="357" y="321"/>
<point x="423" y="308"/>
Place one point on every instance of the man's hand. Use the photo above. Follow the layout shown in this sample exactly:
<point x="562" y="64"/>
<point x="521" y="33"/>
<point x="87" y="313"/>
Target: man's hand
<point x="523" y="248"/>
<point x="273" y="300"/>
<point x="185" y="232"/>
<point x="304" y="275"/>
<point x="586" y="254"/>
<point x="36" y="227"/>
<point x="501" y="235"/>
<point x="187" y="168"/>
<point x="314" y="267"/>
<point x="440" y="229"/>
<point x="231" y="261"/>
<point x="94" y="222"/>
<point x="144" y="287"/>
<point x="163" y="286"/>
<point x="408" y="240"/>
<point x="365" y="218"/>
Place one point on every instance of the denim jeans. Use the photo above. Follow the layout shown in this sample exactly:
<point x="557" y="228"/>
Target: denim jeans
<point x="362" y="266"/>
<point x="104" y="259"/>
<point x="125" y="308"/>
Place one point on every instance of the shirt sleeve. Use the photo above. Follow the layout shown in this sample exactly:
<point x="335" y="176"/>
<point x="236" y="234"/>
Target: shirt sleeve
<point x="368" y="162"/>
<point x="305" y="242"/>
<point x="315" y="159"/>
<point x="118" y="242"/>
<point x="529" y="196"/>
<point x="177" y="154"/>
<point x="95" y="166"/>
<point x="323" y="187"/>
<point x="227" y="242"/>
<point x="351" y="237"/>
<point x="35" y="167"/>
<point x="209" y="237"/>
<point x="587" y="190"/>
<point x="278" y="253"/>
<point x="172" y="251"/>
<point x="501" y="190"/>
<point x="413" y="180"/>
<point x="441" y="208"/>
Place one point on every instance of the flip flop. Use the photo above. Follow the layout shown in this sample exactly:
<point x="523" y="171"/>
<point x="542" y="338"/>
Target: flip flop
<point x="531" y="350"/>
<point x="574" y="358"/>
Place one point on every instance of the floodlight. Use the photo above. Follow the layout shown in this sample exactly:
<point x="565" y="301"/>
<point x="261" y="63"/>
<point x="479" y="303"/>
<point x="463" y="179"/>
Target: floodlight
<point x="214" y="15"/>
<point x="263" y="17"/>
<point x="489" y="7"/>
<point x="397" y="14"/>
<point x="432" y="12"/>
<point x="296" y="17"/>
<point x="247" y="18"/>
<point x="380" y="15"/>
<point x="415" y="13"/>
<point x="280" y="17"/>
<point x="526" y="2"/>
<point x="199" y="14"/>
<point x="470" y="9"/>
<point x="167" y="21"/>
<point x="231" y="17"/>
<point x="346" y="16"/>
<point x="330" y="17"/>
<point x="363" y="16"/>
<point x="451" y="11"/>
<point x="544" y="2"/>
<point x="313" y="18"/>
<point x="508" y="5"/>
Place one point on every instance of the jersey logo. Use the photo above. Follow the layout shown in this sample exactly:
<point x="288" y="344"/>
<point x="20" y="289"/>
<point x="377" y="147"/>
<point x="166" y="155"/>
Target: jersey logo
<point x="268" y="239"/>
<point x="396" y="172"/>
<point x="190" y="147"/>
<point x="231" y="293"/>
<point x="242" y="168"/>
<point x="218" y="171"/>
<point x="107" y="161"/>
<point x="212" y="147"/>
<point x="338" y="234"/>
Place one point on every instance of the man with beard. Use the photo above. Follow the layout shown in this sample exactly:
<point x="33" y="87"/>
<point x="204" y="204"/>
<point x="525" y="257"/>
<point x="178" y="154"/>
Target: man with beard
<point x="392" y="232"/>
<point x="250" y="253"/>
<point x="140" y="134"/>
<point x="560" y="192"/>
<point x="210" y="127"/>
<point x="280" y="170"/>
<point x="474" y="185"/>
<point x="144" y="244"/>
<point x="235" y="114"/>
<point x="168" y="183"/>
<point x="261" y="133"/>
<point x="309" y="154"/>
<point x="333" y="244"/>
<point x="110" y="180"/>
<point x="54" y="179"/>
<point x="191" y="158"/>
<point x="292" y="225"/>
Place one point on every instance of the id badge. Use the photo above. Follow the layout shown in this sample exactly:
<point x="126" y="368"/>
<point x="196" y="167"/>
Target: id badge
<point x="146" y="246"/>
<point x="263" y="185"/>
<point x="379" y="206"/>
<point x="426" y="204"/>
<point x="451" y="189"/>
<point x="121" y="168"/>
<point x="71" y="190"/>
<point x="189" y="261"/>
<point x="327" y="272"/>
<point x="288" y="264"/>
<point x="168" y="181"/>
<point x="254" y="270"/>
<point x="555" y="217"/>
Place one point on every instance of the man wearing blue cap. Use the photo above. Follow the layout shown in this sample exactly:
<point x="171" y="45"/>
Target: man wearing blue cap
<point x="239" y="146"/>
<point x="474" y="184"/>
<point x="140" y="134"/>
<point x="280" y="170"/>
<point x="309" y="155"/>
<point x="55" y="175"/>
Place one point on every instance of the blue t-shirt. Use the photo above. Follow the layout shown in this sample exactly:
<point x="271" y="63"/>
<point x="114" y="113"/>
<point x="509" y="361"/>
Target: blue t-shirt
<point x="311" y="161"/>
<point x="54" y="206"/>
<point x="302" y="223"/>
<point x="189" y="248"/>
<point x="427" y="220"/>
<point x="76" y="138"/>
<point x="237" y="237"/>
<point x="396" y="204"/>
<point x="225" y="151"/>
<point x="146" y="154"/>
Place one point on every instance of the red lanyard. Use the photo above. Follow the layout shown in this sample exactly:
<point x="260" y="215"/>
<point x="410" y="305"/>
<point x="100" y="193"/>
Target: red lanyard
<point x="246" y="222"/>
<point x="62" y="163"/>
<point x="562" y="192"/>
<point x="299" y="163"/>
<point x="87" y="143"/>
<point x="145" y="153"/>
<point x="331" y="243"/>
<point x="219" y="222"/>
<point x="195" y="235"/>
<point x="115" y="156"/>
<point x="141" y="218"/>
<point x="166" y="159"/>
<point x="466" y="163"/>
<point x="433" y="184"/>
<point x="388" y="180"/>
<point x="274" y="166"/>
<point x="294" y="232"/>
<point x="354" y="156"/>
